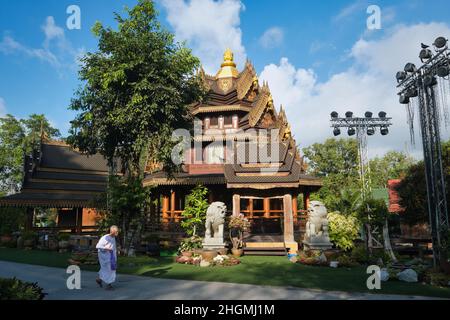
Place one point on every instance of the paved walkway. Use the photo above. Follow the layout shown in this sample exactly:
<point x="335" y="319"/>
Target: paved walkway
<point x="53" y="280"/>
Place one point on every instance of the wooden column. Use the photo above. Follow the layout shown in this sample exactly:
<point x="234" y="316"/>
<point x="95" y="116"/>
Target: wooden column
<point x="266" y="207"/>
<point x="306" y="196"/>
<point x="288" y="219"/>
<point x="294" y="207"/>
<point x="165" y="208"/>
<point x="236" y="204"/>
<point x="250" y="208"/>
<point x="30" y="218"/>
<point x="172" y="204"/>
<point x="79" y="228"/>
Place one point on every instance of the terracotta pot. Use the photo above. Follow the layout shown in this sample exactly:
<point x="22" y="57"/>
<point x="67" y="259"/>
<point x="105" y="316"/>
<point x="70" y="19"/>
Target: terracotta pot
<point x="187" y="254"/>
<point x="237" y="252"/>
<point x="209" y="255"/>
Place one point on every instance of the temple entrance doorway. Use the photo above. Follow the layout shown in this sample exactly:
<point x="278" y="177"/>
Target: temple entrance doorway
<point x="266" y="218"/>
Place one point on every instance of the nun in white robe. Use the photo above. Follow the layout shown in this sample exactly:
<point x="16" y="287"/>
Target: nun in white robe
<point x="107" y="257"/>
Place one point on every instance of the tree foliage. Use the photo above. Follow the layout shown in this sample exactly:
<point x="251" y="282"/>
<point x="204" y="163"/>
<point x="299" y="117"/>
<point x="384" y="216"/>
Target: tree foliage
<point x="137" y="88"/>
<point x="336" y="162"/>
<point x="17" y="138"/>
<point x="126" y="201"/>
<point x="393" y="165"/>
<point x="194" y="213"/>
<point x="344" y="230"/>
<point x="412" y="190"/>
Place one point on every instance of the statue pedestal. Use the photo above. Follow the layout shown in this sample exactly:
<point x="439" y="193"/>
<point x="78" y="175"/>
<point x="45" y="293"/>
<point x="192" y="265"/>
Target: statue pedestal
<point x="213" y="243"/>
<point x="317" y="243"/>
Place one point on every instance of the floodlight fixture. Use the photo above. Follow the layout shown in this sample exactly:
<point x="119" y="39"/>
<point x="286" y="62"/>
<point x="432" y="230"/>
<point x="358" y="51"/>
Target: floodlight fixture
<point x="412" y="93"/>
<point x="368" y="114"/>
<point x="351" y="131"/>
<point x="334" y="115"/>
<point x="440" y="43"/>
<point x="443" y="71"/>
<point x="403" y="99"/>
<point x="410" y="67"/>
<point x="370" y="131"/>
<point x="349" y="114"/>
<point x="382" y="114"/>
<point x="336" y="131"/>
<point x="429" y="81"/>
<point x="384" y="131"/>
<point x="425" y="55"/>
<point x="401" y="75"/>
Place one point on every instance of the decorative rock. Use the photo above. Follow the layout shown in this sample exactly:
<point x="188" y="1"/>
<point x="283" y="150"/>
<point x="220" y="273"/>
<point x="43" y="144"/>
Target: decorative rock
<point x="183" y="259"/>
<point x="293" y="259"/>
<point x="384" y="275"/>
<point x="204" y="264"/>
<point x="408" y="275"/>
<point x="334" y="264"/>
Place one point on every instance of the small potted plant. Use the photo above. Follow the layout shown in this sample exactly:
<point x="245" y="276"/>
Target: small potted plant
<point x="238" y="225"/>
<point x="188" y="245"/>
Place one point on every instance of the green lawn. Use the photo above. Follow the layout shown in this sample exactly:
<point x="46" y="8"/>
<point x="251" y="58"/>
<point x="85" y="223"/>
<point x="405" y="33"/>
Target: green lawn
<point x="273" y="271"/>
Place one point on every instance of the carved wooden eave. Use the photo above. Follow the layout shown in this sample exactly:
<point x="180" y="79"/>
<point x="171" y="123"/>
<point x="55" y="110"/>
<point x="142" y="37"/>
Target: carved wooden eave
<point x="263" y="102"/>
<point x="247" y="81"/>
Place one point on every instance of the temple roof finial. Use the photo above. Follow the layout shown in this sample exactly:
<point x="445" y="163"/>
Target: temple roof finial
<point x="228" y="67"/>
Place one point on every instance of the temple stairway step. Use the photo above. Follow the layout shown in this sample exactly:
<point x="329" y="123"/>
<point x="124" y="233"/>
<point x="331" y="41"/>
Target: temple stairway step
<point x="264" y="251"/>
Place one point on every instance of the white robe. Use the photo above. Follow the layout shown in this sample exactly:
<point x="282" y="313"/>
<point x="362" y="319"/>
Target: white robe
<point x="104" y="257"/>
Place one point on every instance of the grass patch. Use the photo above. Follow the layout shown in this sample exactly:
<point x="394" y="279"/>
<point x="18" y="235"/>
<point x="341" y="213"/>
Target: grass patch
<point x="272" y="271"/>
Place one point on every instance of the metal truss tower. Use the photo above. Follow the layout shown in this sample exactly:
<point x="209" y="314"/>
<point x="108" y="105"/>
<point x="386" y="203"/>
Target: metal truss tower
<point x="423" y="83"/>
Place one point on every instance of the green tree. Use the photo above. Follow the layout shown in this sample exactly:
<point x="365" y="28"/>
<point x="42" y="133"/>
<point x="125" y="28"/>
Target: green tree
<point x="412" y="190"/>
<point x="137" y="88"/>
<point x="17" y="138"/>
<point x="194" y="213"/>
<point x="336" y="162"/>
<point x="393" y="165"/>
<point x="127" y="201"/>
<point x="36" y="126"/>
<point x="344" y="229"/>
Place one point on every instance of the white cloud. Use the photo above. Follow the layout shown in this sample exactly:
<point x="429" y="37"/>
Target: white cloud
<point x="2" y="107"/>
<point x="272" y="37"/>
<point x="350" y="10"/>
<point x="209" y="27"/>
<point x="368" y="85"/>
<point x="56" y="49"/>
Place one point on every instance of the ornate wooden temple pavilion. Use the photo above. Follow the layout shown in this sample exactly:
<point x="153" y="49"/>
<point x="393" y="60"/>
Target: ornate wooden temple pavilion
<point x="62" y="180"/>
<point x="245" y="154"/>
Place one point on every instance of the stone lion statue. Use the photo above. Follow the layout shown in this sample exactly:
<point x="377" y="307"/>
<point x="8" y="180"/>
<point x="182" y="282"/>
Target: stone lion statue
<point x="215" y="219"/>
<point x="317" y="224"/>
<point x="316" y="235"/>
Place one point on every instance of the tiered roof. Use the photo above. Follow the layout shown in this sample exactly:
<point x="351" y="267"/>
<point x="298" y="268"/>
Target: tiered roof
<point x="231" y="90"/>
<point x="58" y="176"/>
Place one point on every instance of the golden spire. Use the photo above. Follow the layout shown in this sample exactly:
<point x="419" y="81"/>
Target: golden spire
<point x="228" y="67"/>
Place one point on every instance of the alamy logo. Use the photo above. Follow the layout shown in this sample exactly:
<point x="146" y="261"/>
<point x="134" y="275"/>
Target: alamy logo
<point x="74" y="280"/>
<point x="374" y="20"/>
<point x="74" y="20"/>
<point x="374" y="280"/>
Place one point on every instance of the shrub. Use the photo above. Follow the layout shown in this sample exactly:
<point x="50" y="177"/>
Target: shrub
<point x="360" y="254"/>
<point x="189" y="244"/>
<point x="62" y="236"/>
<point x="346" y="261"/>
<point x="15" y="289"/>
<point x="29" y="235"/>
<point x="343" y="230"/>
<point x="436" y="278"/>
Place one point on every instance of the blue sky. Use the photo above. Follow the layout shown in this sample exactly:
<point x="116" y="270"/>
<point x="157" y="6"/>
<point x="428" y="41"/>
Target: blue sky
<point x="300" y="47"/>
